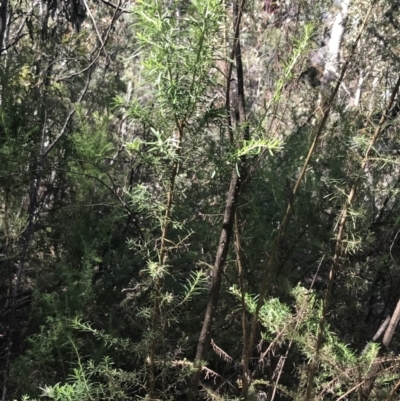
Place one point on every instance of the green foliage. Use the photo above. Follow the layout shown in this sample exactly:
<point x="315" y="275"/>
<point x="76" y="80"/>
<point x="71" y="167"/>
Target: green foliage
<point x="92" y="142"/>
<point x="254" y="146"/>
<point x="336" y="360"/>
<point x="179" y="51"/>
<point x="90" y="381"/>
<point x="111" y="236"/>
<point x="193" y="288"/>
<point x="300" y="47"/>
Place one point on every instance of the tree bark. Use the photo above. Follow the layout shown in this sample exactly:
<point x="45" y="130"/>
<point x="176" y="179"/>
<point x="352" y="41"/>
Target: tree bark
<point x="387" y="339"/>
<point x="394" y="321"/>
<point x="382" y="328"/>
<point x="230" y="206"/>
<point x="3" y="23"/>
<point x="333" y="56"/>
<point x="223" y="247"/>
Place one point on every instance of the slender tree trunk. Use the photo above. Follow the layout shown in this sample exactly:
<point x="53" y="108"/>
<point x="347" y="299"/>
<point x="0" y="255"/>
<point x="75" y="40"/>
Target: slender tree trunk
<point x="382" y="328"/>
<point x="394" y="322"/>
<point x="230" y="206"/>
<point x="387" y="339"/>
<point x="223" y="246"/>
<point x="3" y="23"/>
<point x="334" y="45"/>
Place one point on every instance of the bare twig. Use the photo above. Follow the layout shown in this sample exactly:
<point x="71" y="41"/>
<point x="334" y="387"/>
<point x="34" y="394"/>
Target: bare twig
<point x="87" y="68"/>
<point x="117" y="7"/>
<point x="95" y="27"/>
<point x="67" y="120"/>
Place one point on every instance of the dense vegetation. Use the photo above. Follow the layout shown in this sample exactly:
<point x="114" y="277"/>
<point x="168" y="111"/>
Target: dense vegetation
<point x="199" y="200"/>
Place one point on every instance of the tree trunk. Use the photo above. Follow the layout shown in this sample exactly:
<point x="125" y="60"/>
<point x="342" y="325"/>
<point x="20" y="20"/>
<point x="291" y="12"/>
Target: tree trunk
<point x="333" y="56"/>
<point x="3" y="23"/>
<point x="223" y="247"/>
<point x="387" y="339"/>
<point x="230" y="206"/>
